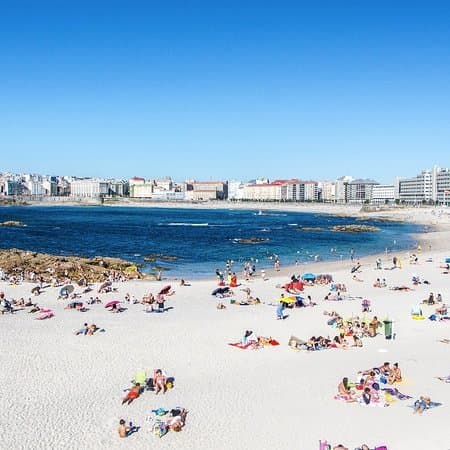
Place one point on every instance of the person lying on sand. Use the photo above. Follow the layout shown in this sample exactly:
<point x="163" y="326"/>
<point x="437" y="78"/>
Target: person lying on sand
<point x="83" y="330"/>
<point x="355" y="278"/>
<point x="220" y="306"/>
<point x="422" y="404"/>
<point x="444" y="379"/>
<point x="445" y="341"/>
<point x="133" y="394"/>
<point x="178" y="419"/>
<point x="400" y="288"/>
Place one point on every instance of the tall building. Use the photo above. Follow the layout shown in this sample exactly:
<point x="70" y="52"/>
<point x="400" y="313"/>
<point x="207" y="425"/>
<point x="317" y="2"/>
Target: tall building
<point x="429" y="186"/>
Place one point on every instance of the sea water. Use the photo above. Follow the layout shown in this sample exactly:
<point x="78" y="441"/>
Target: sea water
<point x="201" y="239"/>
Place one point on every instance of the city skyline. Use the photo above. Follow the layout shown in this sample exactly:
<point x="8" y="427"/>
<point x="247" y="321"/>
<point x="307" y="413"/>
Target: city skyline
<point x="219" y="91"/>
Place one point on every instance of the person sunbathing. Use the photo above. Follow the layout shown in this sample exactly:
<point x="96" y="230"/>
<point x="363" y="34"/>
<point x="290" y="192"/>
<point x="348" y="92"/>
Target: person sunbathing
<point x="373" y="325"/>
<point x="133" y="394"/>
<point x="178" y="419"/>
<point x="92" y="329"/>
<point x="345" y="392"/>
<point x="366" y="396"/>
<point x="159" y="380"/>
<point x="400" y="288"/>
<point x="396" y="374"/>
<point x="422" y="404"/>
<point x="444" y="379"/>
<point x="124" y="430"/>
<point x="83" y="330"/>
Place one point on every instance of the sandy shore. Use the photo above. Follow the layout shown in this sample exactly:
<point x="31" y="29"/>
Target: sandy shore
<point x="64" y="391"/>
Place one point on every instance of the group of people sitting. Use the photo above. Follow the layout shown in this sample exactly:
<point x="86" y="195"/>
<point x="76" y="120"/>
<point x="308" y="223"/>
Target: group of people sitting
<point x="354" y="326"/>
<point x="367" y="390"/>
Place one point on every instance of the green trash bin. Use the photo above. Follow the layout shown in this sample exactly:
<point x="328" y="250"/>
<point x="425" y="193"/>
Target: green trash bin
<point x="387" y="329"/>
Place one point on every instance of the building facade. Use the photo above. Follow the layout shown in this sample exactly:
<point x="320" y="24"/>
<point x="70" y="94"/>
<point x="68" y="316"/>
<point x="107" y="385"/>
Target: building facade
<point x="89" y="188"/>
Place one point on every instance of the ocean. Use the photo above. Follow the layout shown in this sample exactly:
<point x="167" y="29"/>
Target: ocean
<point x="201" y="239"/>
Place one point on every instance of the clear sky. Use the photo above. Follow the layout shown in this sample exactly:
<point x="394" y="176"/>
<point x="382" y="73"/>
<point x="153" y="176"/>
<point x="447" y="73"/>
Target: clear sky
<point x="225" y="89"/>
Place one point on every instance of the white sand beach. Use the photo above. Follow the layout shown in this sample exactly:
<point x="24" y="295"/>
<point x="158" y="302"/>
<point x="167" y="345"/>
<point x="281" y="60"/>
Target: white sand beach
<point x="62" y="391"/>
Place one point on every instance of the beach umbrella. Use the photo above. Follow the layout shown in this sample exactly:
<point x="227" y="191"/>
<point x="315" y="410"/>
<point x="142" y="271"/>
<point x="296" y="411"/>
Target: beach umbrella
<point x="112" y="303"/>
<point x="308" y="276"/>
<point x="66" y="290"/>
<point x="164" y="290"/>
<point x="220" y="290"/>
<point x="104" y="285"/>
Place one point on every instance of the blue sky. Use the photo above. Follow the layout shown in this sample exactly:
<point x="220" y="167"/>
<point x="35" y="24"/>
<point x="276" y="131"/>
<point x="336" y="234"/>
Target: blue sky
<point x="225" y="89"/>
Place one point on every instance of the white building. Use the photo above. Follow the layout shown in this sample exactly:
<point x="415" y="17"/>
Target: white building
<point x="327" y="191"/>
<point x="383" y="194"/>
<point x="236" y="190"/>
<point x="35" y="188"/>
<point x="429" y="186"/>
<point x="89" y="187"/>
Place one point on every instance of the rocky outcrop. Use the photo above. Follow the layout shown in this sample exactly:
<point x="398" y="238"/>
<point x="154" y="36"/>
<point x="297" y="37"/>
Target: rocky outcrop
<point x="152" y="257"/>
<point x="12" y="223"/>
<point x="253" y="240"/>
<point x="354" y="228"/>
<point x="15" y="261"/>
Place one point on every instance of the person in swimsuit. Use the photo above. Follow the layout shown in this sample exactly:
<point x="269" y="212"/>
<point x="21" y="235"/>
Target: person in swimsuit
<point x="133" y="394"/>
<point x="159" y="380"/>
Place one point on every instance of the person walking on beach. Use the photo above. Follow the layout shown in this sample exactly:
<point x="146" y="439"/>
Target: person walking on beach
<point x="280" y="309"/>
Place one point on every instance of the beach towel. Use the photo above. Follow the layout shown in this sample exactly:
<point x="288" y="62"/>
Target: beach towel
<point x="240" y="345"/>
<point x="160" y="411"/>
<point x="160" y="429"/>
<point x="394" y="392"/>
<point x="430" y="406"/>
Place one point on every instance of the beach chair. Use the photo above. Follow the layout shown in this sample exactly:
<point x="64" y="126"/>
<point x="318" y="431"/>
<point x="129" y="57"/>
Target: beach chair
<point x="324" y="445"/>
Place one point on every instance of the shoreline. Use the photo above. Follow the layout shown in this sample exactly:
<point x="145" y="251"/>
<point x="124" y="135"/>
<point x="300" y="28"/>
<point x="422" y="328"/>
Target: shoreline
<point x="436" y="228"/>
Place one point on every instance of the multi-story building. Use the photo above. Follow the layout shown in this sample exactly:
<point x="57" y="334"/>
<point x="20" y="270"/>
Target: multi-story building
<point x="263" y="192"/>
<point x="89" y="187"/>
<point x="443" y="186"/>
<point x="359" y="191"/>
<point x="327" y="191"/>
<point x="206" y="190"/>
<point x="417" y="189"/>
<point x="236" y="190"/>
<point x="341" y="188"/>
<point x="383" y="194"/>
